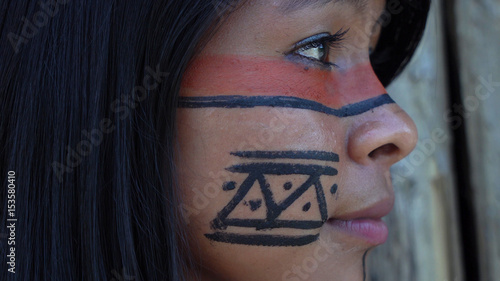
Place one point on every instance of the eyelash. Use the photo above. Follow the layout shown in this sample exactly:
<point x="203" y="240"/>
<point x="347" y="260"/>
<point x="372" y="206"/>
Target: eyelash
<point x="329" y="42"/>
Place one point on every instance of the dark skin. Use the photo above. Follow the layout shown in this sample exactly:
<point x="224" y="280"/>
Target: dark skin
<point x="259" y="52"/>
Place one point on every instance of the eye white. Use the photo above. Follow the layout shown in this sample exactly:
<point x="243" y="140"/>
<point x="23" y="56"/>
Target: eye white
<point x="317" y="52"/>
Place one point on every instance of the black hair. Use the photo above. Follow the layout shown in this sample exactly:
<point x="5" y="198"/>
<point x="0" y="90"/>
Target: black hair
<point x="88" y="97"/>
<point x="88" y="101"/>
<point x="403" y="26"/>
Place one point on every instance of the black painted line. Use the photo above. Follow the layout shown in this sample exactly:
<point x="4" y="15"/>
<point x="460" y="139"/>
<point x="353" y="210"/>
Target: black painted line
<point x="218" y="222"/>
<point x="235" y="101"/>
<point x="283" y="169"/>
<point x="259" y="223"/>
<point x="298" y="193"/>
<point x="262" y="239"/>
<point x="320" y="195"/>
<point x="272" y="209"/>
<point x="307" y="155"/>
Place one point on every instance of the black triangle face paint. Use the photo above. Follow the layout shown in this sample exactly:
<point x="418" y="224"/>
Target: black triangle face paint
<point x="265" y="164"/>
<point x="268" y="212"/>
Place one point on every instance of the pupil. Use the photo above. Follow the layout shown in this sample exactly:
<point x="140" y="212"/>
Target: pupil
<point x="321" y="52"/>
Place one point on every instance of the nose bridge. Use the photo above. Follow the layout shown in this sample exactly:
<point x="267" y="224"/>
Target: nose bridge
<point x="356" y="84"/>
<point x="383" y="135"/>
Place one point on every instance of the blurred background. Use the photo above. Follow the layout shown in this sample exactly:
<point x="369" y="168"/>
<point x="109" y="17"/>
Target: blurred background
<point x="446" y="222"/>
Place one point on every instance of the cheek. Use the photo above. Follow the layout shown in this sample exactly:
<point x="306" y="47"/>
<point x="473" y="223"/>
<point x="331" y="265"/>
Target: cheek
<point x="211" y="170"/>
<point x="256" y="76"/>
<point x="208" y="139"/>
<point x="217" y="129"/>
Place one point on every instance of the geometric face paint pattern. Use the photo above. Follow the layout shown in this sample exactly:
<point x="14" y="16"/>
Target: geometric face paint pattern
<point x="265" y="165"/>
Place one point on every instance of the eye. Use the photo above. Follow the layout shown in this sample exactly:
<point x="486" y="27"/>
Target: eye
<point x="317" y="51"/>
<point x="317" y="48"/>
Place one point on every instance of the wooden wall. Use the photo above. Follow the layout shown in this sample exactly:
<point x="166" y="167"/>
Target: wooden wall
<point x="446" y="221"/>
<point x="478" y="42"/>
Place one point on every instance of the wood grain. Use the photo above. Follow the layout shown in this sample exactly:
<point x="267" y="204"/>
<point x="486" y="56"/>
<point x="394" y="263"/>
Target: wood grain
<point x="478" y="40"/>
<point x="424" y="239"/>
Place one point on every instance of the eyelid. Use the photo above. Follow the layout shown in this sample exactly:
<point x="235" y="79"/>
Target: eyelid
<point x="308" y="41"/>
<point x="324" y="38"/>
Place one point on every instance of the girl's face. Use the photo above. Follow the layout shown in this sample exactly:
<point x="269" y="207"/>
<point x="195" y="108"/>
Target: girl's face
<point x="286" y="138"/>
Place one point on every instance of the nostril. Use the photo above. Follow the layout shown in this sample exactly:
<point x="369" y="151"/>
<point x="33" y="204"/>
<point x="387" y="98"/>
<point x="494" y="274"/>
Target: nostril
<point x="382" y="137"/>
<point x="384" y="150"/>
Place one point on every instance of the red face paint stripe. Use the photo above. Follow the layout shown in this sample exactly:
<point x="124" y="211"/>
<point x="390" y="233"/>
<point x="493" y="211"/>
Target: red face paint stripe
<point x="218" y="75"/>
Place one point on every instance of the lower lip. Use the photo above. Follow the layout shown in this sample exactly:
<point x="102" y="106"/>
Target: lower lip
<point x="374" y="232"/>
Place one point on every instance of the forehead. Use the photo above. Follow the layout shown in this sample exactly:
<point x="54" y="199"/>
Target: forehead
<point x="290" y="6"/>
<point x="288" y="11"/>
<point x="257" y="24"/>
<point x="287" y="7"/>
<point x="247" y="54"/>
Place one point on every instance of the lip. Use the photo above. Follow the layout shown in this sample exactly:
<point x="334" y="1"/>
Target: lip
<point x="371" y="231"/>
<point x="365" y="224"/>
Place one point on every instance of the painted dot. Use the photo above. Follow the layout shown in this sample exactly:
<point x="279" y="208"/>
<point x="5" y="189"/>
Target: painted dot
<point x="255" y="204"/>
<point x="230" y="185"/>
<point x="306" y="207"/>
<point x="334" y="188"/>
<point x="287" y="186"/>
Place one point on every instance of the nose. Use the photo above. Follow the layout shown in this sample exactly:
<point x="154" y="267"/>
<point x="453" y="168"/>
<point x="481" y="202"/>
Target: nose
<point x="383" y="135"/>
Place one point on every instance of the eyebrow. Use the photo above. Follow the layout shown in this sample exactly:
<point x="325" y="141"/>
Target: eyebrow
<point x="290" y="6"/>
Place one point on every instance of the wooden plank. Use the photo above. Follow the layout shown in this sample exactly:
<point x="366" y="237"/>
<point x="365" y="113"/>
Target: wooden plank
<point x="423" y="243"/>
<point x="478" y="40"/>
